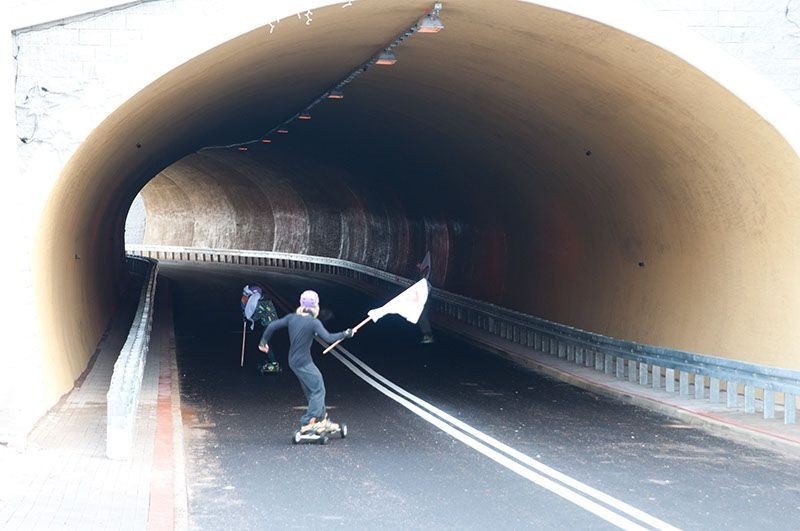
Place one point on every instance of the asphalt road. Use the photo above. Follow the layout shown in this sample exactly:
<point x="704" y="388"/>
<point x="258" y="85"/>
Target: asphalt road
<point x="397" y="470"/>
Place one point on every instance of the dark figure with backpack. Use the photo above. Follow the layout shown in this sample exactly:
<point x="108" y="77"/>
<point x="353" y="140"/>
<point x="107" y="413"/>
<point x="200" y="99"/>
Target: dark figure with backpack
<point x="258" y="308"/>
<point x="303" y="326"/>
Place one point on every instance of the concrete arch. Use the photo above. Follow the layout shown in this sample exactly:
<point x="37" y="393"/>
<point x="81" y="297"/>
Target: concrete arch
<point x="588" y="175"/>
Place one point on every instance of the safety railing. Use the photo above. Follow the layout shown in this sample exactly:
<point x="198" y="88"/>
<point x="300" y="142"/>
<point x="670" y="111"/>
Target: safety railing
<point x="123" y="393"/>
<point x="748" y="387"/>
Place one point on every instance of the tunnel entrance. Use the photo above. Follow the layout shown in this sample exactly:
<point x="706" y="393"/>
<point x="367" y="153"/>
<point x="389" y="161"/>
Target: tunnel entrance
<point x="551" y="162"/>
<point x="561" y="167"/>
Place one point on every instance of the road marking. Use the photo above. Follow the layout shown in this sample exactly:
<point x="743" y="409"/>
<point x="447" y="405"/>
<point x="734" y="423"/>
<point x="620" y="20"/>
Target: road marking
<point x="535" y="471"/>
<point x="468" y="436"/>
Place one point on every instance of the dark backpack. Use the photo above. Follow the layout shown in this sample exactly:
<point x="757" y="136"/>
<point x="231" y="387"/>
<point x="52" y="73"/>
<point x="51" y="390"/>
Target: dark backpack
<point x="265" y="310"/>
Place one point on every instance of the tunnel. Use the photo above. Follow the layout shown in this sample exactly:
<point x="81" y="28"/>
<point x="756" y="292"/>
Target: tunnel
<point x="551" y="162"/>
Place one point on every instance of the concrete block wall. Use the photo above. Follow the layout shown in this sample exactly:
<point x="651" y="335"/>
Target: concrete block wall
<point x="763" y="34"/>
<point x="70" y="75"/>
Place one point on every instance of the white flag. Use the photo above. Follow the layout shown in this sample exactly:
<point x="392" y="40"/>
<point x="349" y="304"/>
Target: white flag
<point x="409" y="304"/>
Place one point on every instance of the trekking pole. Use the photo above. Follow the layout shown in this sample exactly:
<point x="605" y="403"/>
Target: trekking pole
<point x="359" y="325"/>
<point x="244" y="331"/>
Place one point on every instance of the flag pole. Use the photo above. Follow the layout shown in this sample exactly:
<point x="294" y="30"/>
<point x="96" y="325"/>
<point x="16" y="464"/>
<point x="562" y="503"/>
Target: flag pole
<point x="244" y="331"/>
<point x="359" y="325"/>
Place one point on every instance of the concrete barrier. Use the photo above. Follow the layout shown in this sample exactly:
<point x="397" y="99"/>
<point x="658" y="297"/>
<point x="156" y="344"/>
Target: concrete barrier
<point x="123" y="393"/>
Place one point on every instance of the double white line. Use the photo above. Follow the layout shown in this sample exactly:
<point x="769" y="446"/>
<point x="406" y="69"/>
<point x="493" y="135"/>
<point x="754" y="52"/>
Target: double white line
<point x="598" y="503"/>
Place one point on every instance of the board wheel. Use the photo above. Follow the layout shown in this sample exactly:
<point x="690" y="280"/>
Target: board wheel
<point x="343" y="431"/>
<point x="296" y="437"/>
<point x="323" y="439"/>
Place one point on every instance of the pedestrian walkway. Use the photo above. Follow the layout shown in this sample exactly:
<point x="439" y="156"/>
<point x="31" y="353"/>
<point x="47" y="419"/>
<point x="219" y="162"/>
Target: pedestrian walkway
<point x="62" y="479"/>
<point x="745" y="427"/>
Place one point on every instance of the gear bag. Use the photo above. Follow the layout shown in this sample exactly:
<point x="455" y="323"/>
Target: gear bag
<point x="257" y="307"/>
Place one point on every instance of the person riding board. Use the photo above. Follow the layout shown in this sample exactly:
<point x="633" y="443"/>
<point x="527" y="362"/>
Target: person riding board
<point x="257" y="308"/>
<point x="303" y="326"/>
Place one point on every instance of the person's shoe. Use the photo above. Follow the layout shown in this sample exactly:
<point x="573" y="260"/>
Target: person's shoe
<point x="271" y="368"/>
<point x="426" y="339"/>
<point x="325" y="425"/>
<point x="311" y="426"/>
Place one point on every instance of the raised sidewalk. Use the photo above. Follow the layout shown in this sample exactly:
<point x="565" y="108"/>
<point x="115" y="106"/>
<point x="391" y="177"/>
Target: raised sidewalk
<point x="62" y="478"/>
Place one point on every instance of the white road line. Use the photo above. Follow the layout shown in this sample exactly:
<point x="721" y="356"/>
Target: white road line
<point x="468" y="436"/>
<point x="462" y="436"/>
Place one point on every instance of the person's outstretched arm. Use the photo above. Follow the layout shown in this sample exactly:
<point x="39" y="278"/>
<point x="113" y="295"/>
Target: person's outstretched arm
<point x="277" y="324"/>
<point x="329" y="337"/>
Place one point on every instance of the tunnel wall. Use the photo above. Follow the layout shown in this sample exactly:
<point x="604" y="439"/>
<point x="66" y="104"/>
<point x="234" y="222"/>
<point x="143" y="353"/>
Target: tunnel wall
<point x="232" y="200"/>
<point x="636" y="195"/>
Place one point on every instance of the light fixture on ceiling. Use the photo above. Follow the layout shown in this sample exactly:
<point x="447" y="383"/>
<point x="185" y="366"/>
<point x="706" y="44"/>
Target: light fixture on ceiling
<point x="431" y="23"/>
<point x="335" y="95"/>
<point x="266" y="141"/>
<point x="386" y="58"/>
<point x="304" y="116"/>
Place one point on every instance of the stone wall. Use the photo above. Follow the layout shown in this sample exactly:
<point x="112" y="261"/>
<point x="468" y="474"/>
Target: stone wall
<point x="763" y="34"/>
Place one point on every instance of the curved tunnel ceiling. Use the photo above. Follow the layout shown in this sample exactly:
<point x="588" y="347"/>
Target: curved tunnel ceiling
<point x="553" y="164"/>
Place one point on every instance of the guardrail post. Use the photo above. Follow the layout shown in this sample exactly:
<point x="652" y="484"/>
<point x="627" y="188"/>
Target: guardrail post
<point x="699" y="386"/>
<point x="609" y="363"/>
<point x="731" y="394"/>
<point x="642" y="374"/>
<point x="749" y="398"/>
<point x="620" y="368"/>
<point x="656" y="377"/>
<point x="789" y="408"/>
<point x="713" y="390"/>
<point x="769" y="404"/>
<point x="632" y="371"/>
<point x="599" y="360"/>
<point x="684" y="383"/>
<point x="669" y="380"/>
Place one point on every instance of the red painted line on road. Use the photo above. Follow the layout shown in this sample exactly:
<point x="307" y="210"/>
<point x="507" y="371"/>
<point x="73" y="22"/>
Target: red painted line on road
<point x="162" y="474"/>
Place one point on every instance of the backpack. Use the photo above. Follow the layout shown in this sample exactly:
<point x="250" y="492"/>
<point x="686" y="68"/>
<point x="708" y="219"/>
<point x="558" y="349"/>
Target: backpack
<point x="264" y="311"/>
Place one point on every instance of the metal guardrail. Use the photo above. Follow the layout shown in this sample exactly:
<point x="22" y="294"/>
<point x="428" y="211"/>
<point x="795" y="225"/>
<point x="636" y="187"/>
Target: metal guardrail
<point x="123" y="393"/>
<point x="747" y="386"/>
